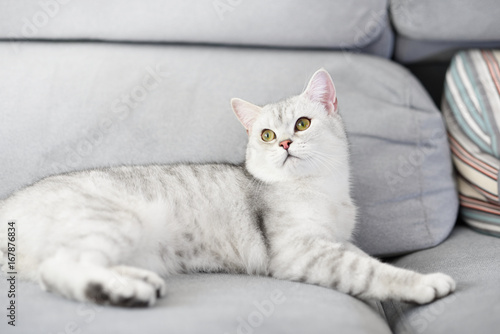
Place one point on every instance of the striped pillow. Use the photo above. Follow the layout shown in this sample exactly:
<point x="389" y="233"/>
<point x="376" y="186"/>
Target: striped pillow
<point x="471" y="108"/>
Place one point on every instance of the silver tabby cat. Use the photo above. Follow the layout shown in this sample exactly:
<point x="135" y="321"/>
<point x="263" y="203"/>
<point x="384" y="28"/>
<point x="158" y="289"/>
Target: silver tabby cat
<point x="108" y="235"/>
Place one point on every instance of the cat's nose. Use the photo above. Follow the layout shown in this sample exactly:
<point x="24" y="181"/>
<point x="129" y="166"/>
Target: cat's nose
<point x="285" y="144"/>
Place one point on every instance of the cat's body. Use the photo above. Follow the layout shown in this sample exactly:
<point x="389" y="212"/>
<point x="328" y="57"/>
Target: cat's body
<point x="168" y="219"/>
<point x="101" y="235"/>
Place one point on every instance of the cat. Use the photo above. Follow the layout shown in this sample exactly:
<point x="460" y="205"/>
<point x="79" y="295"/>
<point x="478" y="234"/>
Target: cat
<point x="109" y="235"/>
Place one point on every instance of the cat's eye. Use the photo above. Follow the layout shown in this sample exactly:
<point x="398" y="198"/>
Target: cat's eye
<point x="302" y="124"/>
<point x="268" y="135"/>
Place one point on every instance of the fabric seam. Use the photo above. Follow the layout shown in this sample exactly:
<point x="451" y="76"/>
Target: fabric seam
<point x="420" y="169"/>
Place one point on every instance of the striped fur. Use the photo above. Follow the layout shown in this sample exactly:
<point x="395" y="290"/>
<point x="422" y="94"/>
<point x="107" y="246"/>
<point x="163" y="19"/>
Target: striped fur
<point x="108" y="235"/>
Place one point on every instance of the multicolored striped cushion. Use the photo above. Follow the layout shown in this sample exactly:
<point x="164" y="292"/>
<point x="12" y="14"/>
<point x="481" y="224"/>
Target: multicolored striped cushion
<point x="471" y="107"/>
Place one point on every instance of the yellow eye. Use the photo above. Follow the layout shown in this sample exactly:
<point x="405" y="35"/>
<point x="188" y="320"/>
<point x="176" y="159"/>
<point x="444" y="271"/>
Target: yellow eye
<point x="268" y="135"/>
<point x="302" y="124"/>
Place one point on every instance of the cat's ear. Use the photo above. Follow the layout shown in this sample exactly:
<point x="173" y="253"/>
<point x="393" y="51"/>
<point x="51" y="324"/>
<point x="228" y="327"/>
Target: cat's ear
<point x="246" y="112"/>
<point x="321" y="89"/>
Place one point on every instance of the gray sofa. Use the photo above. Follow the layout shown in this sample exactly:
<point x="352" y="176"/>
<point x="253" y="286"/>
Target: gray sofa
<point x="85" y="84"/>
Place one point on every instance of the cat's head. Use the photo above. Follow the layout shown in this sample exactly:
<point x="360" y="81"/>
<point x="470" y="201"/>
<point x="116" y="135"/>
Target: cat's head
<point x="299" y="137"/>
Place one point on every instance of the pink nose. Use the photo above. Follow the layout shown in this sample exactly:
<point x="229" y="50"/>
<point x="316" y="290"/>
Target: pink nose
<point x="285" y="144"/>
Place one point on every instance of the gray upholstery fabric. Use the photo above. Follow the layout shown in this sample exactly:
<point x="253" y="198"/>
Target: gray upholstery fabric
<point x="473" y="260"/>
<point x="383" y="46"/>
<point x="355" y="25"/>
<point x="447" y="20"/>
<point x="201" y="304"/>
<point x="407" y="50"/>
<point x="429" y="30"/>
<point x="72" y="106"/>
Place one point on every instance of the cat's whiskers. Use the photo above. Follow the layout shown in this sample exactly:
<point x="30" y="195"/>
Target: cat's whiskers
<point x="326" y="160"/>
<point x="312" y="161"/>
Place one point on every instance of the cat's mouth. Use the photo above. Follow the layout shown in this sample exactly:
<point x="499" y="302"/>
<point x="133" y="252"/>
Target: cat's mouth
<point x="289" y="157"/>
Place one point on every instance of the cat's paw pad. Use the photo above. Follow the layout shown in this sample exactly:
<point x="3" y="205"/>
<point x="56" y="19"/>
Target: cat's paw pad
<point x="432" y="287"/>
<point x="125" y="292"/>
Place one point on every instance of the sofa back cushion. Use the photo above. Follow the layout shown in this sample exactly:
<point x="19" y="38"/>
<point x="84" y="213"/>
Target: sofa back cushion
<point x="73" y="106"/>
<point x="357" y="25"/>
<point x="447" y="20"/>
<point x="433" y="31"/>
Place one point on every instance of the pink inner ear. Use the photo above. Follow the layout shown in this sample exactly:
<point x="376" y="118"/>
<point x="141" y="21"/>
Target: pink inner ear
<point x="322" y="90"/>
<point x="246" y="112"/>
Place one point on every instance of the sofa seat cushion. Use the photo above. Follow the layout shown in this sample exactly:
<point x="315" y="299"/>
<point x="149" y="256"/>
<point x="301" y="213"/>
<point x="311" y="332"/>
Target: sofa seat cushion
<point x="204" y="303"/>
<point x="434" y="30"/>
<point x="72" y="106"/>
<point x="472" y="260"/>
<point x="471" y="107"/>
<point x="361" y="25"/>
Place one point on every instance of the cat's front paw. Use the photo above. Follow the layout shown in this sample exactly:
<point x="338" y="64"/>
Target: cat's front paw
<point x="128" y="287"/>
<point x="145" y="275"/>
<point x="431" y="287"/>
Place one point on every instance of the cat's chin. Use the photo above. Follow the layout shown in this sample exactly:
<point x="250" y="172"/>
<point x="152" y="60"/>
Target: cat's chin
<point x="290" y="160"/>
<point x="290" y="170"/>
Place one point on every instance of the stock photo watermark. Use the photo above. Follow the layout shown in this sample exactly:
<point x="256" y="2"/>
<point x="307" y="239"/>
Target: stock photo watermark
<point x="399" y="8"/>
<point x="11" y="270"/>
<point x="365" y="34"/>
<point x="423" y="317"/>
<point x="224" y="7"/>
<point x="86" y="313"/>
<point x="407" y="165"/>
<point x="121" y="109"/>
<point x="262" y="310"/>
<point x="32" y="24"/>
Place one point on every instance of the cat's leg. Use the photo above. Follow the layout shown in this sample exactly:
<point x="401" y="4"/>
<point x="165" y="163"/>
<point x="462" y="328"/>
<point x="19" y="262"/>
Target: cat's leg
<point x="442" y="283"/>
<point x="84" y="276"/>
<point x="355" y="249"/>
<point x="335" y="265"/>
